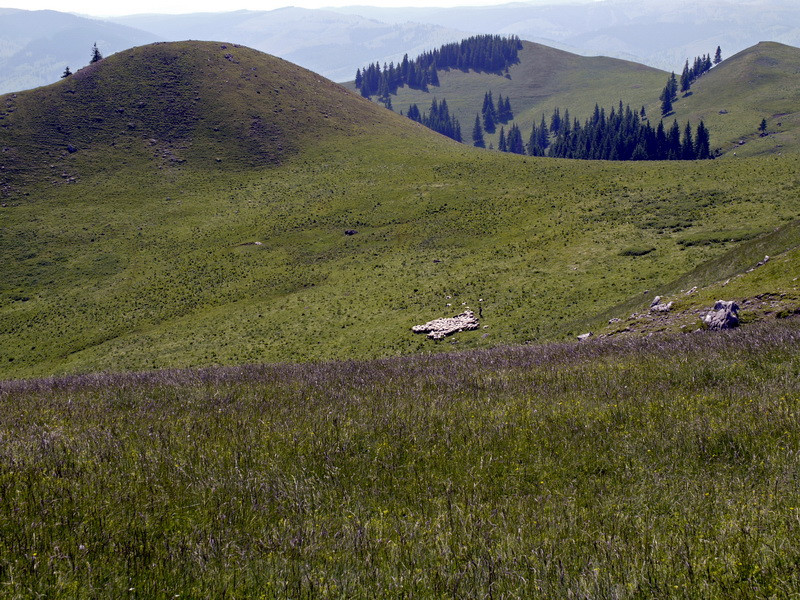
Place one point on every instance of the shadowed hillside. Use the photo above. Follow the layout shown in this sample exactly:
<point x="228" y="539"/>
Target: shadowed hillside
<point x="210" y="105"/>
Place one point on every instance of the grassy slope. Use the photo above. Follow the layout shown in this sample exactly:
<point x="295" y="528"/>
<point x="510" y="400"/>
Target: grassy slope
<point x="759" y="82"/>
<point x="646" y="468"/>
<point x="544" y="78"/>
<point x="148" y="262"/>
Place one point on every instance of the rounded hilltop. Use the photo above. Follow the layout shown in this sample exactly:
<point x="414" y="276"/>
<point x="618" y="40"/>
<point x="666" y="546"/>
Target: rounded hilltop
<point x="203" y="103"/>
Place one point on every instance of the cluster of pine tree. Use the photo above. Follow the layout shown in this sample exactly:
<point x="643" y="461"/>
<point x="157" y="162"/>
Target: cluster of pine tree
<point x="489" y="53"/>
<point x="438" y="118"/>
<point x="622" y="135"/>
<point x="701" y="65"/>
<point x="492" y="115"/>
<point x="511" y="142"/>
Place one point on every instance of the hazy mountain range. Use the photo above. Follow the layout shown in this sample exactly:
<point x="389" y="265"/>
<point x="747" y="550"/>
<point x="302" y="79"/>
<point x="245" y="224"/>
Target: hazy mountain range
<point x="35" y="46"/>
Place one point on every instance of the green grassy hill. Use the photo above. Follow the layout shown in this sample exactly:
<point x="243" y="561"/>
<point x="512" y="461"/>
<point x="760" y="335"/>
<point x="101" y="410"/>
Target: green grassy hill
<point x="757" y="83"/>
<point x="731" y="99"/>
<point x="209" y="105"/>
<point x="200" y="219"/>
<point x="542" y="80"/>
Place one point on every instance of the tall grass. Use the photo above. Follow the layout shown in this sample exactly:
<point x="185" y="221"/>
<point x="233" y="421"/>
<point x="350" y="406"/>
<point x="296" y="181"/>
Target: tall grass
<point x="664" y="467"/>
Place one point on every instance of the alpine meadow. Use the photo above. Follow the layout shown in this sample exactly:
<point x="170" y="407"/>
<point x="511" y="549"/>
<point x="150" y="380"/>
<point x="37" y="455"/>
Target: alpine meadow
<point x="209" y="383"/>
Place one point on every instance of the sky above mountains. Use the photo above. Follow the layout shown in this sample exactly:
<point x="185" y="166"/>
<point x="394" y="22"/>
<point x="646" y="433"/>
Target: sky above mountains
<point x="99" y="8"/>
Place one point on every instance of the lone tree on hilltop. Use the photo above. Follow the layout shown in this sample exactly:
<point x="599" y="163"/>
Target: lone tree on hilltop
<point x="718" y="56"/>
<point x="96" y="56"/>
<point x="66" y="73"/>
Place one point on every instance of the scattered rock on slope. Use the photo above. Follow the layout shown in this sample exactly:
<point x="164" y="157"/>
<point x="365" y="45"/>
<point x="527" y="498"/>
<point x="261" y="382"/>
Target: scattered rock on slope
<point x="661" y="307"/>
<point x="725" y="315"/>
<point x="440" y="328"/>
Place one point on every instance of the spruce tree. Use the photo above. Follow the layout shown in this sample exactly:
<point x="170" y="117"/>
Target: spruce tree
<point x="555" y="121"/>
<point x="533" y="142"/>
<point x="702" y="142"/>
<point x="666" y="106"/>
<point x="686" y="78"/>
<point x="66" y="73"/>
<point x="763" y="127"/>
<point x="687" y="147"/>
<point x="544" y="135"/>
<point x="501" y="144"/>
<point x="509" y="113"/>
<point x="673" y="149"/>
<point x="501" y="115"/>
<point x="489" y="113"/>
<point x="718" y="56"/>
<point x="477" y="134"/>
<point x="96" y="56"/>
<point x="514" y="140"/>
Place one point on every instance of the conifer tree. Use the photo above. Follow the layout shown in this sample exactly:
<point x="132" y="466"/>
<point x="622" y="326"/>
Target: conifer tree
<point x="533" y="142"/>
<point x="96" y="56"/>
<point x="702" y="142"/>
<point x="763" y="127"/>
<point x="673" y="150"/>
<point x="359" y="79"/>
<point x="514" y="140"/>
<point x="686" y="78"/>
<point x="477" y="134"/>
<point x="718" y="56"/>
<point x="666" y="106"/>
<point x="66" y="73"/>
<point x="489" y="113"/>
<point x="544" y="135"/>
<point x="501" y="144"/>
<point x="687" y="147"/>
<point x="433" y="76"/>
<point x="507" y="109"/>
<point x="501" y="117"/>
<point x="555" y="121"/>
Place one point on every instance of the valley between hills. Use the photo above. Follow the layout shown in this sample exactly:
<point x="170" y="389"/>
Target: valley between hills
<point x="213" y="259"/>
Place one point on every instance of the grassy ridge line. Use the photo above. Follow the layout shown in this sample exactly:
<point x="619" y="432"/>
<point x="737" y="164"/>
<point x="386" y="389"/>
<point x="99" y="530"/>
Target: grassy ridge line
<point x="756" y="83"/>
<point x="661" y="467"/>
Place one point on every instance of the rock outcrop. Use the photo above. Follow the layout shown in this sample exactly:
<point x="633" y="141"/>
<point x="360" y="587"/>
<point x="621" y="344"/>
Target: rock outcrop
<point x="441" y="328"/>
<point x="662" y="307"/>
<point x="724" y="315"/>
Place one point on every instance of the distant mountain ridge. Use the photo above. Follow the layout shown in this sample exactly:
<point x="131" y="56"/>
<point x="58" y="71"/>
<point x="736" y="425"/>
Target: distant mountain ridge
<point x="36" y="46"/>
<point x="655" y="33"/>
<point x="336" y="41"/>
